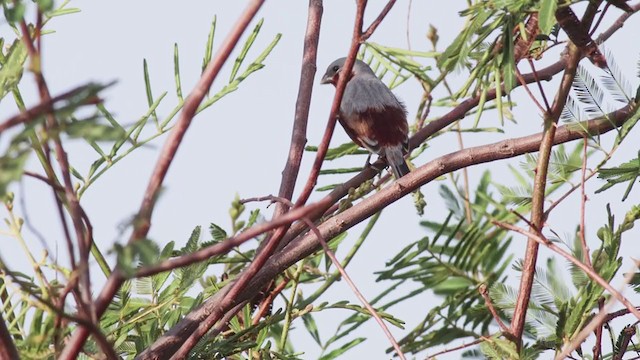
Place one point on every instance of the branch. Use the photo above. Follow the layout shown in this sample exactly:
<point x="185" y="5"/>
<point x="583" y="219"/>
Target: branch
<point x="299" y="133"/>
<point x="484" y="291"/>
<point x="374" y="25"/>
<point x="167" y="155"/>
<point x="43" y="107"/>
<point x="8" y="348"/>
<point x="538" y="196"/>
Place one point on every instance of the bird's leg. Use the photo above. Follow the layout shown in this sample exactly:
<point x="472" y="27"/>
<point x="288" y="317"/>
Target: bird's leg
<point x="368" y="162"/>
<point x="373" y="165"/>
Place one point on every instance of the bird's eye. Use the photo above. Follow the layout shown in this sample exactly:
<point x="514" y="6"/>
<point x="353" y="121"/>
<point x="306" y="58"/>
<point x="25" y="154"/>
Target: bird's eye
<point x="336" y="68"/>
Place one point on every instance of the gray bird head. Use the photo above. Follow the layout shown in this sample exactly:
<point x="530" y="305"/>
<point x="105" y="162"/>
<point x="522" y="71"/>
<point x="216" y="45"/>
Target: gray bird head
<point x="334" y="69"/>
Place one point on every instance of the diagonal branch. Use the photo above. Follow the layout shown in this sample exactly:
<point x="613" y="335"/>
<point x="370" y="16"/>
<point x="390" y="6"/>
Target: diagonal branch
<point x="8" y="348"/>
<point x="36" y="111"/>
<point x="538" y="196"/>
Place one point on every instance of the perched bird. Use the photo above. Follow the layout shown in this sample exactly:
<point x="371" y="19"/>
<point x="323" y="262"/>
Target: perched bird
<point x="371" y="115"/>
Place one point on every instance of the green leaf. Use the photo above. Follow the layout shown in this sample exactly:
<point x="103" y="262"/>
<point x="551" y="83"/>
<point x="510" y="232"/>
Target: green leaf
<point x="13" y="11"/>
<point x="176" y="71"/>
<point x="45" y="5"/>
<point x="147" y="86"/>
<point x="312" y="328"/>
<point x="626" y="172"/>
<point x="348" y="148"/>
<point x="142" y="251"/>
<point x="343" y="349"/>
<point x="547" y="15"/>
<point x="12" y="68"/>
<point x="11" y="169"/>
<point x="245" y="50"/>
<point x="452" y="285"/>
<point x="208" y="51"/>
<point x="498" y="348"/>
<point x="91" y="130"/>
<point x="217" y="233"/>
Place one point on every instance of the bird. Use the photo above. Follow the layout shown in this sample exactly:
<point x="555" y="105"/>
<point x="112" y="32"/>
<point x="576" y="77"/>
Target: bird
<point x="372" y="116"/>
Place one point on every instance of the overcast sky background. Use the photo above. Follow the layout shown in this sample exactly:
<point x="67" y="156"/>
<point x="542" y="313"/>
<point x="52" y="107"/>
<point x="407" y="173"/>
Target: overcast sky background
<point x="240" y="144"/>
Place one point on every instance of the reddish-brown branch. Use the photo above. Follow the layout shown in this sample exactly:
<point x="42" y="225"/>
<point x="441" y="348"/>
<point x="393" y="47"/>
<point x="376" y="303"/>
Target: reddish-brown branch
<point x="307" y="76"/>
<point x="230" y="243"/>
<point x="538" y="196"/>
<point x="46" y="106"/>
<point x="143" y="218"/>
<point x="460" y="347"/>
<point x="267" y="302"/>
<point x="374" y="25"/>
<point x="597" y="348"/>
<point x="8" y="348"/>
<point x="484" y="291"/>
<point x="437" y="167"/>
<point x="323" y="146"/>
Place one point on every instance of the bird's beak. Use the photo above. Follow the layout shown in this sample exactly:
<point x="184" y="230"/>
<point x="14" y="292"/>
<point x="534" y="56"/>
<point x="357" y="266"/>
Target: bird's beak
<point x="326" y="79"/>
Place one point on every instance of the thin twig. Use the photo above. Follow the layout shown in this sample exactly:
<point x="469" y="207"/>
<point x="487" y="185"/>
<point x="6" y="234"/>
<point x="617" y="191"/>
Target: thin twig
<point x="484" y="291"/>
<point x="586" y="258"/>
<point x="460" y="347"/>
<point x="43" y="107"/>
<point x="267" y="302"/>
<point x="539" y="83"/>
<point x="85" y="304"/>
<point x="531" y="96"/>
<point x="597" y="347"/>
<point x="374" y="25"/>
<point x="355" y="290"/>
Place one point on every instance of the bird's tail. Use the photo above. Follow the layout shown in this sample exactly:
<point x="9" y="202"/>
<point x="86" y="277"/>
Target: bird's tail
<point x="396" y="161"/>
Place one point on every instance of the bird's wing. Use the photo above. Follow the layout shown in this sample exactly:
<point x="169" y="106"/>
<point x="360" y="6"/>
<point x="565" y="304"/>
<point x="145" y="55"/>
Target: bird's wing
<point x="367" y="93"/>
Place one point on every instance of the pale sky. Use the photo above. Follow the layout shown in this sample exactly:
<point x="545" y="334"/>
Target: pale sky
<point x="240" y="144"/>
